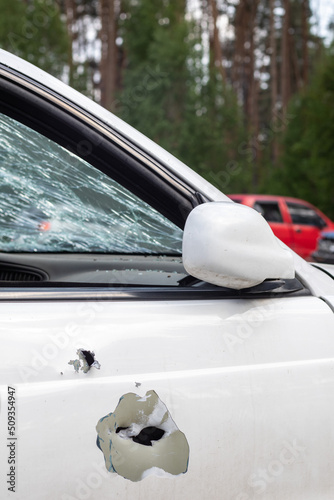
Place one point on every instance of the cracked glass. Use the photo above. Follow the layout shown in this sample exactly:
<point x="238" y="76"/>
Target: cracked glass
<point x="53" y="201"/>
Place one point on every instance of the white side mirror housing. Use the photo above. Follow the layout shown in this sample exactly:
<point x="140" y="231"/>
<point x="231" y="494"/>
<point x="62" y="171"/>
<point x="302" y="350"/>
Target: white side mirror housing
<point x="232" y="245"/>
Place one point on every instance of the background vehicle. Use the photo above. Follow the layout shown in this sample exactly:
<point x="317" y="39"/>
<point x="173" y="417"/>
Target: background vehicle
<point x="295" y="222"/>
<point x="325" y="248"/>
<point x="183" y="331"/>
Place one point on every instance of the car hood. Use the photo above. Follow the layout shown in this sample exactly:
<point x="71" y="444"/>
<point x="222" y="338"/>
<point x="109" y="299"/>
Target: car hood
<point x="327" y="268"/>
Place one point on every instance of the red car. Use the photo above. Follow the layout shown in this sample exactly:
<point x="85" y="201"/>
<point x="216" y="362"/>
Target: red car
<point x="296" y="222"/>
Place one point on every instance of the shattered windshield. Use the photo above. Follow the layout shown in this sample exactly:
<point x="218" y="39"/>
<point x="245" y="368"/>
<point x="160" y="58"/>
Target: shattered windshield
<point x="53" y="201"/>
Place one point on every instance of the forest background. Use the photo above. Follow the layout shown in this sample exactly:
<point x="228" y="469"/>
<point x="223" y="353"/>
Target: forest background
<point x="240" y="90"/>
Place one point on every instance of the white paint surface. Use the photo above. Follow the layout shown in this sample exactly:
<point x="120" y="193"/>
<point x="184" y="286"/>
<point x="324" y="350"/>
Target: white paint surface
<point x="231" y="245"/>
<point x="244" y="380"/>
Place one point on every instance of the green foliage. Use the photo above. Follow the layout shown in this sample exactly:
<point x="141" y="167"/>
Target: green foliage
<point x="308" y="160"/>
<point x="156" y="76"/>
<point x="170" y="97"/>
<point x="218" y="139"/>
<point x="34" y="31"/>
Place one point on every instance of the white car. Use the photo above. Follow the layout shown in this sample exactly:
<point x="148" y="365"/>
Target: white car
<point x="161" y="343"/>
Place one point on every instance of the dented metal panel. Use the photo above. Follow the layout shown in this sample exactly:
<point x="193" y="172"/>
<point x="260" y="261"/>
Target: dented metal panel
<point x="140" y="439"/>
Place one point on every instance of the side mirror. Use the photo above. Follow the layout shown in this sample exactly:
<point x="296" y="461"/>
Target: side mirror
<point x="232" y="245"/>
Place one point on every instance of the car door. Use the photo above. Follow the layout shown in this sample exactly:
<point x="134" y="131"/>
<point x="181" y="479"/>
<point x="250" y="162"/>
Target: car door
<point x="122" y="376"/>
<point x="306" y="227"/>
<point x="275" y="214"/>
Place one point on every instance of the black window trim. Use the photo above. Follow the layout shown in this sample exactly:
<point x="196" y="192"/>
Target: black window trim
<point x="58" y="293"/>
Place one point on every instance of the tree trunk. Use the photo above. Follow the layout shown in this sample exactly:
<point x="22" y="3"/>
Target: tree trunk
<point x="285" y="69"/>
<point x="215" y="41"/>
<point x="273" y="82"/>
<point x="305" y="35"/>
<point x="108" y="65"/>
<point x="250" y="65"/>
<point x="239" y="49"/>
<point x="70" y="12"/>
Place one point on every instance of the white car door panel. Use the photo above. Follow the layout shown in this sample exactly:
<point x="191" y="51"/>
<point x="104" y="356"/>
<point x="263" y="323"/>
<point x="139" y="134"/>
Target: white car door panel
<point x="246" y="381"/>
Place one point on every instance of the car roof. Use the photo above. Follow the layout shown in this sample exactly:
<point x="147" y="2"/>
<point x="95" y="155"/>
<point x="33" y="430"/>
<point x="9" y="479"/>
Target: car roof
<point x="270" y="197"/>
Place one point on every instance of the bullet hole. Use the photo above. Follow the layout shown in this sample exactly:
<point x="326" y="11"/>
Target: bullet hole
<point x="121" y="429"/>
<point x="146" y="435"/>
<point x="140" y="438"/>
<point x="85" y="362"/>
<point x="89" y="357"/>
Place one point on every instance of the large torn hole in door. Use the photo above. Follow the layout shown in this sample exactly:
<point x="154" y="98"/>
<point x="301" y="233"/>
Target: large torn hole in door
<point x="140" y="438"/>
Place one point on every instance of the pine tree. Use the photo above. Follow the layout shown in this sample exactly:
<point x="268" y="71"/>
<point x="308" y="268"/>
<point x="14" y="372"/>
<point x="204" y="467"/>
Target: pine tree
<point x="157" y="76"/>
<point x="181" y="103"/>
<point x="82" y="21"/>
<point x="108" y="66"/>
